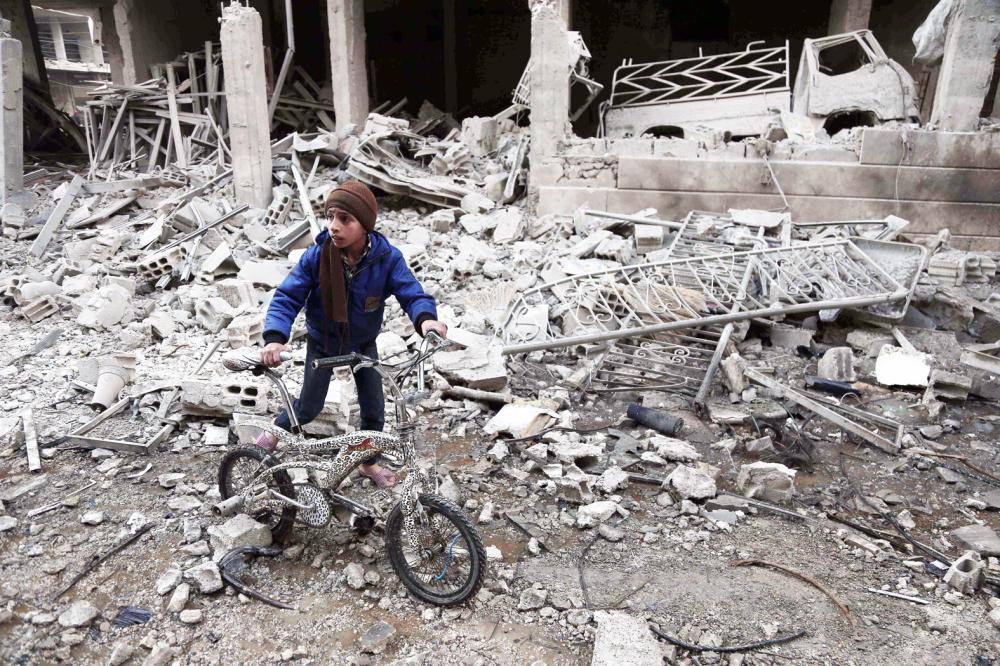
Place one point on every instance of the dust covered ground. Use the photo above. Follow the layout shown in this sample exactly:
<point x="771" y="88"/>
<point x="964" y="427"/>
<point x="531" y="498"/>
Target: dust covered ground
<point x="658" y="557"/>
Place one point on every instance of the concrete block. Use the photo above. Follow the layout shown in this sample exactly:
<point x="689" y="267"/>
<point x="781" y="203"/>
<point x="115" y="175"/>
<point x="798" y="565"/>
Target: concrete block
<point x="647" y="238"/>
<point x="154" y="267"/>
<point x="967" y="573"/>
<point x="442" y="220"/>
<point x="214" y="313"/>
<point x="480" y="135"/>
<point x="268" y="274"/>
<point x="771" y="482"/>
<point x="245" y="330"/>
<point x="40" y="308"/>
<point x="277" y="210"/>
<point x="240" y="294"/>
<point x="788" y="337"/>
<point x="837" y="364"/>
<point x="218" y="263"/>
<point x="207" y="399"/>
<point x="896" y="366"/>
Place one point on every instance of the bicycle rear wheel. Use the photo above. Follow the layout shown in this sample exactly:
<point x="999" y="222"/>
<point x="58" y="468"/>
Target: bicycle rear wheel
<point x="238" y="468"/>
<point x="451" y="562"/>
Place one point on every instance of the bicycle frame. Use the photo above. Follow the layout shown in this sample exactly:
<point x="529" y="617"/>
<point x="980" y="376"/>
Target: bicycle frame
<point x="352" y="449"/>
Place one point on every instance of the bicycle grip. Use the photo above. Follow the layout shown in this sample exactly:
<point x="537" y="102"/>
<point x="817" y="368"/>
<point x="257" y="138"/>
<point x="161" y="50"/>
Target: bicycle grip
<point x="335" y="361"/>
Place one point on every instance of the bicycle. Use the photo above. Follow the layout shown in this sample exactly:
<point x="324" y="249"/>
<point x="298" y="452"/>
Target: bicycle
<point x="433" y="547"/>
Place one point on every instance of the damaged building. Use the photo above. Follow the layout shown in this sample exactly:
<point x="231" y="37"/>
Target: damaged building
<point x="721" y="284"/>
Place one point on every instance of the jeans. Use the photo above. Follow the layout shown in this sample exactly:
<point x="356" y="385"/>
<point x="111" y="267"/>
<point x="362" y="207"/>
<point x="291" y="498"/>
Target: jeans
<point x="316" y="383"/>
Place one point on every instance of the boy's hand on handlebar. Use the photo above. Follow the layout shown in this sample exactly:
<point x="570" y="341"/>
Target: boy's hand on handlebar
<point x="270" y="355"/>
<point x="438" y="327"/>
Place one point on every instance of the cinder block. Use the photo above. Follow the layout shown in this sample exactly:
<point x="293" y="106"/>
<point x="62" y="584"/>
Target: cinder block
<point x="156" y="266"/>
<point x="240" y="294"/>
<point x="40" y="308"/>
<point x="214" y="313"/>
<point x="246" y="330"/>
<point x="647" y="238"/>
<point x="10" y="288"/>
<point x="281" y="204"/>
<point x="207" y="399"/>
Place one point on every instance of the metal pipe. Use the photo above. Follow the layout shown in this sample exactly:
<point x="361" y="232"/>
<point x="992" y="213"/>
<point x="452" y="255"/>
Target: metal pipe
<point x="634" y="218"/>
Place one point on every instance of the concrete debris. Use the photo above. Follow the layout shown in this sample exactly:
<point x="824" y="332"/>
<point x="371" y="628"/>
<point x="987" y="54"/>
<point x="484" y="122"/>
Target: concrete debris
<point x="624" y="639"/>
<point x="79" y="614"/>
<point x="837" y="364"/>
<point x="691" y="483"/>
<point x="205" y="577"/>
<point x="772" y="482"/>
<point x="979" y="538"/>
<point x="238" y="532"/>
<point x="897" y="366"/>
<point x="642" y="271"/>
<point x="967" y="573"/>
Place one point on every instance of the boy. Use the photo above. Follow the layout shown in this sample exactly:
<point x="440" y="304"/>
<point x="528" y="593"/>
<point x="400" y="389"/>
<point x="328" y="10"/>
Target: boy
<point x="343" y="281"/>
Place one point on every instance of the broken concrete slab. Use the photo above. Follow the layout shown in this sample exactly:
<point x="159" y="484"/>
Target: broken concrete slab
<point x="624" y="639"/>
<point x="979" y="538"/>
<point x="896" y="366"/>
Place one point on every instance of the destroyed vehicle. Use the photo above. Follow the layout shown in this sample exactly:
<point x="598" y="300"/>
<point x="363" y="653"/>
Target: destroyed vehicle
<point x="731" y="92"/>
<point x="847" y="80"/>
<point x="843" y="81"/>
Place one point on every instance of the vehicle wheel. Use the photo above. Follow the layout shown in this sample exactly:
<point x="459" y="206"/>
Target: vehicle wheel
<point x="452" y="561"/>
<point x="239" y="466"/>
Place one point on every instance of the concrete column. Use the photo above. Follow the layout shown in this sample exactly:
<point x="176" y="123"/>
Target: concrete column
<point x="109" y="37"/>
<point x="970" y="52"/>
<point x="549" y="87"/>
<point x="347" y="61"/>
<point x="246" y="102"/>
<point x="11" y="116"/>
<point x="450" y="63"/>
<point x="23" y="29"/>
<point x="849" y="15"/>
<point x="566" y="12"/>
<point x="57" y="40"/>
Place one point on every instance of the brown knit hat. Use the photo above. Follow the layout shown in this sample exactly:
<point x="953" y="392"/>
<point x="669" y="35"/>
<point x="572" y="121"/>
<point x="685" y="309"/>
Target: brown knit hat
<point x="355" y="198"/>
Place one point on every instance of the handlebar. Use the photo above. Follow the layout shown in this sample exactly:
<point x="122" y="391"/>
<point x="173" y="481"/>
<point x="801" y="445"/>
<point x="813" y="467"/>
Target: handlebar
<point x="354" y="358"/>
<point x="339" y="361"/>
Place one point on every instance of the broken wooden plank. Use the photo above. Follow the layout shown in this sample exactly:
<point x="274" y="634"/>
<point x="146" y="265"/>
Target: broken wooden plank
<point x="113" y="132"/>
<point x="823" y="411"/>
<point x="175" y="125"/>
<point x="101" y="418"/>
<point x="45" y="235"/>
<point x="31" y="440"/>
<point x="154" y="154"/>
<point x="81" y="441"/>
<point x="106" y="212"/>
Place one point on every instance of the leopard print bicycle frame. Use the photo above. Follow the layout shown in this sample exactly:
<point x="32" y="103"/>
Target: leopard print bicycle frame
<point x="352" y="450"/>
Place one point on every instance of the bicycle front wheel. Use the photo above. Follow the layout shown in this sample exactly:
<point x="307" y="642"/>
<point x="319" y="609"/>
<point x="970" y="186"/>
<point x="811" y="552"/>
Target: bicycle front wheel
<point x="450" y="562"/>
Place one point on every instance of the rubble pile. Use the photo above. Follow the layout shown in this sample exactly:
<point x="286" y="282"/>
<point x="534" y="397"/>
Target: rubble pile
<point x="636" y="407"/>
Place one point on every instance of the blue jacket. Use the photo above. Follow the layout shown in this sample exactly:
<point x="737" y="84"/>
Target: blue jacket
<point x="382" y="273"/>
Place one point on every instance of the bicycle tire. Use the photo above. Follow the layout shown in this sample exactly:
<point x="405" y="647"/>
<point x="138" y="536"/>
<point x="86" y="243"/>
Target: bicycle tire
<point x="280" y="525"/>
<point x="477" y="553"/>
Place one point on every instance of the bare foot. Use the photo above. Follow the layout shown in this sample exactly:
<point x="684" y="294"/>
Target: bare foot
<point x="382" y="477"/>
